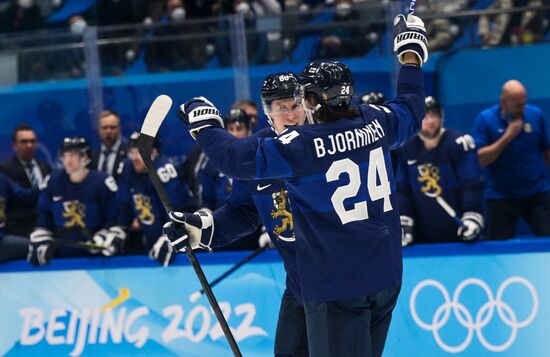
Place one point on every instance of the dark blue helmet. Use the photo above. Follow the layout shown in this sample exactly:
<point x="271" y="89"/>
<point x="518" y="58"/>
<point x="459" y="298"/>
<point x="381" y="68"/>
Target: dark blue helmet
<point x="330" y="82"/>
<point x="78" y="144"/>
<point x="278" y="86"/>
<point x="238" y="116"/>
<point x="433" y="106"/>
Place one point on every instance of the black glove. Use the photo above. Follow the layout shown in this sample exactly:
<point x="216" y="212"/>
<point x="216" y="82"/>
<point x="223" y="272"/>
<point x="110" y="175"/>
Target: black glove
<point x="472" y="225"/>
<point x="41" y="247"/>
<point x="162" y="251"/>
<point x="197" y="227"/>
<point x="199" y="113"/>
<point x="409" y="35"/>
<point x="407" y="229"/>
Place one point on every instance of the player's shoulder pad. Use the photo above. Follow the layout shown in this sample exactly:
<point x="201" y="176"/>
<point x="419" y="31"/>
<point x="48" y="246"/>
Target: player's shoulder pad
<point x="372" y="111"/>
<point x="264" y="133"/>
<point x="102" y="179"/>
<point x="458" y="143"/>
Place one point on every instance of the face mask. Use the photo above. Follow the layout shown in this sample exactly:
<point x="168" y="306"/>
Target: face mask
<point x="178" y="14"/>
<point x="243" y="8"/>
<point x="25" y="4"/>
<point x="78" y="27"/>
<point x="343" y="9"/>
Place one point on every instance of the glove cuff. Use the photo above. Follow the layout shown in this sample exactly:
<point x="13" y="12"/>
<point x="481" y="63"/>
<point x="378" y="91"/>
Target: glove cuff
<point x="41" y="235"/>
<point x="474" y="216"/>
<point x="406" y="221"/>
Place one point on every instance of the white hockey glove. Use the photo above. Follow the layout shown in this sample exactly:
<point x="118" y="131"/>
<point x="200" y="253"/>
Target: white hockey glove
<point x="472" y="225"/>
<point x="197" y="227"/>
<point x="407" y="225"/>
<point x="112" y="239"/>
<point x="265" y="240"/>
<point x="162" y="251"/>
<point x="41" y="247"/>
<point x="409" y="35"/>
<point x="199" y="113"/>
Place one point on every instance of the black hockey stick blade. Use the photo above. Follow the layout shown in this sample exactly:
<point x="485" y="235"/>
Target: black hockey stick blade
<point x="153" y="120"/>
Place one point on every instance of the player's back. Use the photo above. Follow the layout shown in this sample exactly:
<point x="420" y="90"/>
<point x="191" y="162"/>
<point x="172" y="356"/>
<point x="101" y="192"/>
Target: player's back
<point x="345" y="208"/>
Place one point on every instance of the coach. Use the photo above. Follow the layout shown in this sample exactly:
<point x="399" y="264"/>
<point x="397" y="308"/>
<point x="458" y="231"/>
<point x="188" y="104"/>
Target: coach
<point x="514" y="148"/>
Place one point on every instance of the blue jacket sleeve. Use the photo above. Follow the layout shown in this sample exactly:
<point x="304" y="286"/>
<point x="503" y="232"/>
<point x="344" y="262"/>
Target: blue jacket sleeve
<point x="408" y="108"/>
<point x="468" y="173"/>
<point x="404" y="189"/>
<point x="44" y="214"/>
<point x="124" y="201"/>
<point x="237" y="218"/>
<point x="107" y="198"/>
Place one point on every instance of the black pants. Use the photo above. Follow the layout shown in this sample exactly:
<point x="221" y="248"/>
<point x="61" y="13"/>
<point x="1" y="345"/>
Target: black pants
<point x="351" y="328"/>
<point x="503" y="216"/>
<point x="291" y="337"/>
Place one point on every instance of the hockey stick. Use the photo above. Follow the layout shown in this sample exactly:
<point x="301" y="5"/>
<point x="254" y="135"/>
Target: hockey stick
<point x="154" y="118"/>
<point x="196" y="295"/>
<point x="450" y="211"/>
<point x="412" y="7"/>
<point x="77" y="244"/>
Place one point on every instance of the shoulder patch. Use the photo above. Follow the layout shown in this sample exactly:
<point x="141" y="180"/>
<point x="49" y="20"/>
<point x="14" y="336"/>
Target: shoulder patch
<point x="111" y="183"/>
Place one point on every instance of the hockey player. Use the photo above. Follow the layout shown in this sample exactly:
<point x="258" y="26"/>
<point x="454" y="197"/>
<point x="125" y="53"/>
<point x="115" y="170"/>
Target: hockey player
<point x="76" y="204"/>
<point x="13" y="246"/>
<point x="215" y="186"/>
<point x="439" y="162"/>
<point x="348" y="236"/>
<point x="256" y="202"/>
<point x="137" y="198"/>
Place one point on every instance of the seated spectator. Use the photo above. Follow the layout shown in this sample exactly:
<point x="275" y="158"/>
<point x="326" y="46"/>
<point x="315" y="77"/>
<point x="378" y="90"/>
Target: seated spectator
<point x="175" y="55"/>
<point x="76" y="206"/>
<point x="345" y="40"/>
<point x="443" y="31"/>
<point x="20" y="16"/>
<point x="510" y="27"/>
<point x="13" y="246"/>
<point x="114" y="147"/>
<point x="137" y="198"/>
<point x="438" y="169"/>
<point x="28" y="172"/>
<point x="256" y="42"/>
<point x="215" y="185"/>
<point x="514" y="150"/>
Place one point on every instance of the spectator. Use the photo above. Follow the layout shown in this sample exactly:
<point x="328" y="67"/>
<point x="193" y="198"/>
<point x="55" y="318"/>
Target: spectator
<point x="250" y="108"/>
<point x="175" y="55"/>
<point x="13" y="246"/>
<point x="77" y="205"/>
<point x="442" y="32"/>
<point x="256" y="42"/>
<point x="514" y="149"/>
<point x="21" y="15"/>
<point x="436" y="164"/>
<point x="344" y="40"/>
<point x="510" y="27"/>
<point x="114" y="147"/>
<point x="137" y="198"/>
<point x="28" y="172"/>
<point x="492" y="32"/>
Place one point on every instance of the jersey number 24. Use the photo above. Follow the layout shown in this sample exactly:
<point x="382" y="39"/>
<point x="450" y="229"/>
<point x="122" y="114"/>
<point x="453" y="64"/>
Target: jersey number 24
<point x="382" y="190"/>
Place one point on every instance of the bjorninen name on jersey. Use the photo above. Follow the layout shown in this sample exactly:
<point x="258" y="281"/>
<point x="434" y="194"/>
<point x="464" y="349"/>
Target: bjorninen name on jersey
<point x="349" y="139"/>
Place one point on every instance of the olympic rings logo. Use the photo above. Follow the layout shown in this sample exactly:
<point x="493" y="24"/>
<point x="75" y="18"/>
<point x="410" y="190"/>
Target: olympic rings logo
<point x="482" y="317"/>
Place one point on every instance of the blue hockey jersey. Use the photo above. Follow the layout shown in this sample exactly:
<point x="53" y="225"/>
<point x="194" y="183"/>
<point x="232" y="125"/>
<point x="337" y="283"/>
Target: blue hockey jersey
<point x="451" y="170"/>
<point x="260" y="200"/>
<point x="10" y="194"/>
<point x="341" y="189"/>
<point x="138" y="198"/>
<point x="215" y="186"/>
<point x="77" y="210"/>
